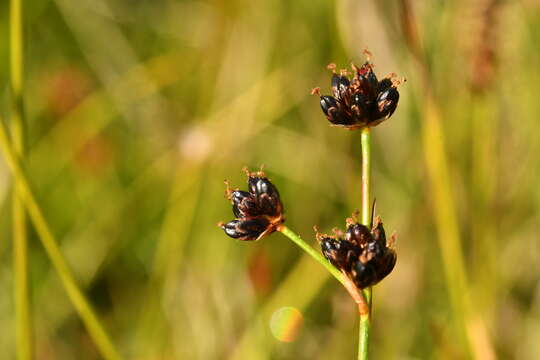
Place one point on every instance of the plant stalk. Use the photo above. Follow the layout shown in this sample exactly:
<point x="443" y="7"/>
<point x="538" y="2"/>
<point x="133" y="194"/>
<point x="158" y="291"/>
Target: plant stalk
<point x="365" y="318"/>
<point x="312" y="252"/>
<point x="82" y="306"/>
<point x="23" y="323"/>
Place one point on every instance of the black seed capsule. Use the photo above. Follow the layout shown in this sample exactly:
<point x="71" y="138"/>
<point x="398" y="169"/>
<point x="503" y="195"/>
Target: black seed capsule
<point x="340" y="85"/>
<point x="244" y="204"/>
<point x="270" y="205"/>
<point x="384" y="84"/>
<point x="379" y="234"/>
<point x="387" y="102"/>
<point x="340" y="253"/>
<point x="246" y="229"/>
<point x="375" y="249"/>
<point x="338" y="117"/>
<point x="254" y="227"/>
<point x="261" y="185"/>
<point x="357" y="234"/>
<point x="327" y="103"/>
<point x="386" y="264"/>
<point x="364" y="274"/>
<point x="360" y="107"/>
<point x="368" y="81"/>
<point x="231" y="229"/>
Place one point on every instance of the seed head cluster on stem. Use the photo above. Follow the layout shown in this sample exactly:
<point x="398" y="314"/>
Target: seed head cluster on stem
<point x="359" y="101"/>
<point x="258" y="211"/>
<point x="363" y="255"/>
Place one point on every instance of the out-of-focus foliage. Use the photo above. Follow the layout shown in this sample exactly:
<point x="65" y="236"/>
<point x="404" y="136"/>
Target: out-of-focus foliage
<point x="138" y="110"/>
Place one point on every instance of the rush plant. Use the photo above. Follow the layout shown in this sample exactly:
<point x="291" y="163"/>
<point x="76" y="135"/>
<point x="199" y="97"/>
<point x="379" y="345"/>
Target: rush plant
<point x="361" y="257"/>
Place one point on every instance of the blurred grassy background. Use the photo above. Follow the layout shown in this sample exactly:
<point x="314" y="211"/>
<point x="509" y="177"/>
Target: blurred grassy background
<point x="138" y="110"/>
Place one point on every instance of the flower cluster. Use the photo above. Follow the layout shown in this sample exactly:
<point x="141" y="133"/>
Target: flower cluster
<point x="361" y="101"/>
<point x="363" y="255"/>
<point x="258" y="211"/>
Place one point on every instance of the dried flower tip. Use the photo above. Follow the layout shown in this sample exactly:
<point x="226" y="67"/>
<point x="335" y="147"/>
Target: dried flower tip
<point x="337" y="232"/>
<point x="228" y="190"/>
<point x="368" y="54"/>
<point x="250" y="174"/>
<point x="316" y="91"/>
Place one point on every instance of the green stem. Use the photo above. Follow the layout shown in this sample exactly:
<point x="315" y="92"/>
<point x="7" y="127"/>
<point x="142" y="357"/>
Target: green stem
<point x="82" y="306"/>
<point x="23" y="327"/>
<point x="311" y="251"/>
<point x="365" y="319"/>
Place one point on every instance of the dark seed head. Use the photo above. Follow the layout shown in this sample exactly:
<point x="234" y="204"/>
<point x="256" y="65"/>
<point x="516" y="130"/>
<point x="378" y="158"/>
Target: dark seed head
<point x="258" y="212"/>
<point x="362" y="254"/>
<point x="361" y="101"/>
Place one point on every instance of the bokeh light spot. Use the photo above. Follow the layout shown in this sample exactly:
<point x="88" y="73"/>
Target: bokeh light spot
<point x="286" y="323"/>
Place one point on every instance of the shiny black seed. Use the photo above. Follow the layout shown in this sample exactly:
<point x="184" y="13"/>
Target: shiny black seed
<point x="376" y="248"/>
<point x="384" y="84"/>
<point x="340" y="85"/>
<point x="386" y="264"/>
<point x="368" y="80"/>
<point x="360" y="106"/>
<point x="369" y="273"/>
<point x="327" y="103"/>
<point x="370" y="76"/>
<point x="254" y="227"/>
<point x="231" y="229"/>
<point x="339" y="117"/>
<point x="340" y="253"/>
<point x="358" y="234"/>
<point x="270" y="205"/>
<point x="364" y="274"/>
<point x="360" y="100"/>
<point x="246" y="229"/>
<point x="379" y="234"/>
<point x="387" y="102"/>
<point x="261" y="185"/>
<point x="244" y="204"/>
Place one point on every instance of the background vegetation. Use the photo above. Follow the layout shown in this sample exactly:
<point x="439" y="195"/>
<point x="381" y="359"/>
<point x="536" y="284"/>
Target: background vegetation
<point x="138" y="110"/>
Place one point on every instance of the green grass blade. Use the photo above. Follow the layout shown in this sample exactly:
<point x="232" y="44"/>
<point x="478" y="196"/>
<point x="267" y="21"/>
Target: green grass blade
<point x="79" y="301"/>
<point x="20" y="245"/>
